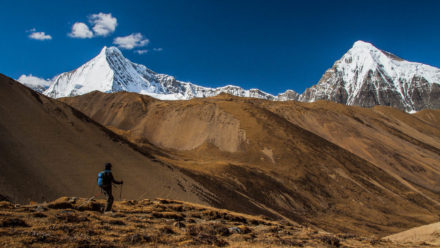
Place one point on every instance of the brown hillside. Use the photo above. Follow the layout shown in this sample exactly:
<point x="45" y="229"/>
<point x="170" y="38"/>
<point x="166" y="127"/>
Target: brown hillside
<point x="48" y="149"/>
<point x="429" y="115"/>
<point x="399" y="143"/>
<point x="343" y="169"/>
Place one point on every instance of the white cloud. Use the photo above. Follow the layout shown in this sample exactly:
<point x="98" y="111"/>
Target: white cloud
<point x="131" y="41"/>
<point x="33" y="81"/>
<point x="80" y="30"/>
<point x="160" y="49"/>
<point x="141" y="51"/>
<point x="38" y="35"/>
<point x="103" y="24"/>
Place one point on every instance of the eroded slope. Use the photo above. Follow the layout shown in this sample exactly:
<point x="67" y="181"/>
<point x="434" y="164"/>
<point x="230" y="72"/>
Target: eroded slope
<point x="337" y="167"/>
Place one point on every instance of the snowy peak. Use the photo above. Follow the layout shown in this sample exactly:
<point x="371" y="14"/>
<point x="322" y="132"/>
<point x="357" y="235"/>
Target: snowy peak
<point x="367" y="76"/>
<point x="111" y="51"/>
<point x="108" y="52"/>
<point x="110" y="71"/>
<point x="363" y="45"/>
<point x="96" y="74"/>
<point x="365" y="57"/>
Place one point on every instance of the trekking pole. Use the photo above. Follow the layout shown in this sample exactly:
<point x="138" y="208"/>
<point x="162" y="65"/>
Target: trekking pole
<point x="120" y="193"/>
<point x="94" y="188"/>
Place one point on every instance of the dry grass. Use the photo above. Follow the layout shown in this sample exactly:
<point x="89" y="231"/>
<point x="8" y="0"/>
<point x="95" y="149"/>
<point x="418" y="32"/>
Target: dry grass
<point x="74" y="222"/>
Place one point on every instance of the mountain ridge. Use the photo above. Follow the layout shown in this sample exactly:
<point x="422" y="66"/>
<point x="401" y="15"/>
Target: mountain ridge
<point x="365" y="76"/>
<point x="110" y="72"/>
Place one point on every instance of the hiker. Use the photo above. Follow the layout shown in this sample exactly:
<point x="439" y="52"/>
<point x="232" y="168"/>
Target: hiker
<point x="105" y="180"/>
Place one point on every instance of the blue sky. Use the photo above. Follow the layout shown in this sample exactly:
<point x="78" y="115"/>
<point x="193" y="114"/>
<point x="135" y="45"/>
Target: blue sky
<point x="271" y="45"/>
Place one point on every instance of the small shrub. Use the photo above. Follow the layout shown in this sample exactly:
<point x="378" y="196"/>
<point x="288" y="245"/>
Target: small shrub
<point x="83" y="244"/>
<point x="196" y="215"/>
<point x="208" y="229"/>
<point x="179" y="224"/>
<point x="39" y="215"/>
<point x="42" y="237"/>
<point x="209" y="240"/>
<point x="169" y="215"/>
<point x="137" y="238"/>
<point x="60" y="204"/>
<point x="166" y="230"/>
<point x="235" y="218"/>
<point x="13" y="222"/>
<point x="177" y="208"/>
<point x="163" y="201"/>
<point x="157" y="215"/>
<point x="71" y="217"/>
<point x="116" y="222"/>
<point x="330" y="240"/>
<point x="92" y="206"/>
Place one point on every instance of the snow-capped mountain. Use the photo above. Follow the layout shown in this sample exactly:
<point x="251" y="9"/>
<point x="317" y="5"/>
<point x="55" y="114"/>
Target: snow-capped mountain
<point x="366" y="76"/>
<point x="110" y="71"/>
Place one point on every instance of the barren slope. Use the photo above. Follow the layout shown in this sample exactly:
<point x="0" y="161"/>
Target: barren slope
<point x="418" y="236"/>
<point x="406" y="146"/>
<point x="337" y="167"/>
<point x="48" y="149"/>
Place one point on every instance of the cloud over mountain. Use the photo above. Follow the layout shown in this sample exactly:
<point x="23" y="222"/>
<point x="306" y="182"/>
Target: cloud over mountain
<point x="131" y="41"/>
<point x="80" y="30"/>
<point x="102" y="25"/>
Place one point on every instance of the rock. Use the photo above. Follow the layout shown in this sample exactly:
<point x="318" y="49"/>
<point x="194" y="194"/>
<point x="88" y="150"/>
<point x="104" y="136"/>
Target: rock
<point x="234" y="229"/>
<point x="40" y="209"/>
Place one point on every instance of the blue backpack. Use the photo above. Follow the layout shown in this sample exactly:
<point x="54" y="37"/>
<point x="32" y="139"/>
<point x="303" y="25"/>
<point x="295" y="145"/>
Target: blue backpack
<point x="103" y="178"/>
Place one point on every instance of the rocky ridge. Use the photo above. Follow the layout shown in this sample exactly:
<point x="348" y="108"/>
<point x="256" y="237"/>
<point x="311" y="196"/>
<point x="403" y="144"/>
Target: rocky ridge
<point x="111" y="72"/>
<point x="365" y="76"/>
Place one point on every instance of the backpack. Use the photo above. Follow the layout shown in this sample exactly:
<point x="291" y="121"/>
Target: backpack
<point x="104" y="178"/>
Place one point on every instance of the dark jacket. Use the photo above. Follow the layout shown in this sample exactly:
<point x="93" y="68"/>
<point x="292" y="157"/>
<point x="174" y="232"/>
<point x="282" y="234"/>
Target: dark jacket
<point x="109" y="179"/>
